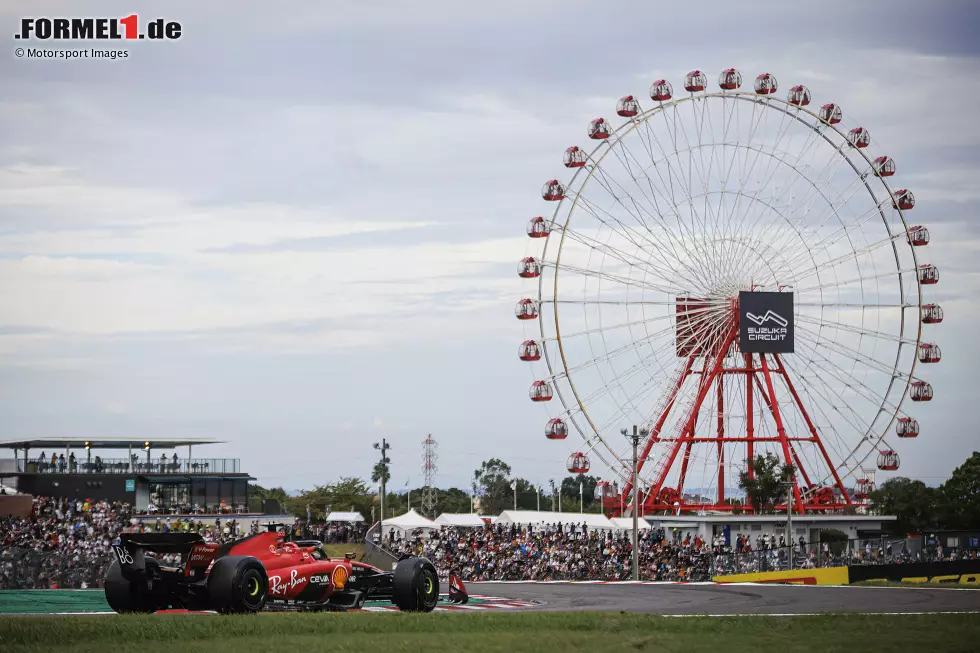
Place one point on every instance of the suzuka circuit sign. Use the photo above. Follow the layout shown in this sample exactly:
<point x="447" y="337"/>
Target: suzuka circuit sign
<point x="765" y="322"/>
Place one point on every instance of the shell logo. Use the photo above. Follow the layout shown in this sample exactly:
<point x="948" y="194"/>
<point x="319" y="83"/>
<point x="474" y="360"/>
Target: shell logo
<point x="340" y="577"/>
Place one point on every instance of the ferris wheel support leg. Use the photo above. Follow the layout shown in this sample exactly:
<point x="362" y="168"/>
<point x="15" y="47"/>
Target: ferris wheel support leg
<point x="813" y="430"/>
<point x="655" y="433"/>
<point x="799" y="463"/>
<point x="749" y="415"/>
<point x="707" y="378"/>
<point x="721" y="443"/>
<point x="780" y="429"/>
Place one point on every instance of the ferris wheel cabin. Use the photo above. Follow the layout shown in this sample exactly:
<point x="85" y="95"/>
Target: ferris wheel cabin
<point x="921" y="391"/>
<point x="929" y="353"/>
<point x="529" y="268"/>
<point x="884" y="166"/>
<point x="907" y="427"/>
<point x="904" y="199"/>
<point x="729" y="79"/>
<point x="599" y="129"/>
<point x="863" y="489"/>
<point x="538" y="228"/>
<point x="556" y="429"/>
<point x="918" y="236"/>
<point x="627" y="107"/>
<point x="765" y="84"/>
<point x="578" y="463"/>
<point x="859" y="137"/>
<point x="799" y="96"/>
<point x="830" y="114"/>
<point x="888" y="460"/>
<point x="529" y="351"/>
<point x="553" y="191"/>
<point x="527" y="309"/>
<point x="574" y="157"/>
<point x="661" y="90"/>
<point x="928" y="274"/>
<point x="541" y="391"/>
<point x="932" y="314"/>
<point x="695" y="81"/>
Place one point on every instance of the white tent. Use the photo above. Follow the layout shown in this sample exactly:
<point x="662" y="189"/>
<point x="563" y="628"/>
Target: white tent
<point x="409" y="524"/>
<point x="351" y="517"/>
<point x="626" y="523"/>
<point x="543" y="518"/>
<point x="461" y="520"/>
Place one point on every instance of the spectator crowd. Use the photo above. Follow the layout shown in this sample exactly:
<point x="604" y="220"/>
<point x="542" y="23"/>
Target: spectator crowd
<point x="559" y="552"/>
<point x="66" y="544"/>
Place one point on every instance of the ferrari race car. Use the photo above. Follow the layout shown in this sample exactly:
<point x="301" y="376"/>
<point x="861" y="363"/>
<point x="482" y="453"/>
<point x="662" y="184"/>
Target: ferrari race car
<point x="180" y="571"/>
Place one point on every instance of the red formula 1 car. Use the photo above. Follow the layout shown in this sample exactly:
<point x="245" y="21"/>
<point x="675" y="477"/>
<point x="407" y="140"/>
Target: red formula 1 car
<point x="161" y="571"/>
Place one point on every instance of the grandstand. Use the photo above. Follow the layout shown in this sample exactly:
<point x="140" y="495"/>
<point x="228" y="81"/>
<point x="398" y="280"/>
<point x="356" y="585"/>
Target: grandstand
<point x="158" y="476"/>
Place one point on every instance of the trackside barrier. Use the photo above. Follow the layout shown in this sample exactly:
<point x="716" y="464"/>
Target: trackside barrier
<point x="956" y="572"/>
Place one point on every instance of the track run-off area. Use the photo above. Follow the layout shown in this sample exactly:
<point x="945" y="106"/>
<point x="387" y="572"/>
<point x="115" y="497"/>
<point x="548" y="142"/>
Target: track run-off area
<point x="656" y="598"/>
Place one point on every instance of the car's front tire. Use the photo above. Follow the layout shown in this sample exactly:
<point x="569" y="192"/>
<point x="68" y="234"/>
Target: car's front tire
<point x="415" y="585"/>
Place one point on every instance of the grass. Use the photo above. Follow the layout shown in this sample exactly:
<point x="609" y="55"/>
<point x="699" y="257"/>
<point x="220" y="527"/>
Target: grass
<point x="510" y="633"/>
<point x="340" y="550"/>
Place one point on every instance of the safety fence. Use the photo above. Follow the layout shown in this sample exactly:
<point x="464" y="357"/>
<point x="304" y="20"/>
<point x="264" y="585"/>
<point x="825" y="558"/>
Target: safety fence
<point x="818" y="555"/>
<point x="22" y="568"/>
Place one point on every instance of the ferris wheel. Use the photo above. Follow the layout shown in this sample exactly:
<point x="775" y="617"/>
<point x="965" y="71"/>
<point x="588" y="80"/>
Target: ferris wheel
<point x="734" y="272"/>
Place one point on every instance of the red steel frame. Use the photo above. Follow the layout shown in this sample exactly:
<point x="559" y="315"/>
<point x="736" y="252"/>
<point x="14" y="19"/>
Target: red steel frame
<point x="759" y="372"/>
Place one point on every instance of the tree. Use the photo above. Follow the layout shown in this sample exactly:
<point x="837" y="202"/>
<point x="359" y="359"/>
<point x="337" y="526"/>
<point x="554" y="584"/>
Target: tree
<point x="262" y="494"/>
<point x="347" y="493"/>
<point x="453" y="500"/>
<point x="911" y="501"/>
<point x="381" y="469"/>
<point x="570" y="491"/>
<point x="766" y="486"/>
<point x="960" y="496"/>
<point x="492" y="483"/>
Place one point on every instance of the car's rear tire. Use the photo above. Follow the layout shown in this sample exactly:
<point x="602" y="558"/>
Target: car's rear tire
<point x="415" y="585"/>
<point x="238" y="584"/>
<point x="126" y="596"/>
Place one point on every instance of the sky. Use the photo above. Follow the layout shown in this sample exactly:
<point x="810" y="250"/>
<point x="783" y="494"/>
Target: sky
<point x="296" y="229"/>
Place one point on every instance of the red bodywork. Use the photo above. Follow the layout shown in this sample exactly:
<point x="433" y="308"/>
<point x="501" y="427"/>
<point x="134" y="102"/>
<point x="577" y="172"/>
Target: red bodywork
<point x="294" y="572"/>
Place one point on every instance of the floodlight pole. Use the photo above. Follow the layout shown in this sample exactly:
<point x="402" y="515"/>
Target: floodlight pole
<point x="635" y="438"/>
<point x="789" y="524"/>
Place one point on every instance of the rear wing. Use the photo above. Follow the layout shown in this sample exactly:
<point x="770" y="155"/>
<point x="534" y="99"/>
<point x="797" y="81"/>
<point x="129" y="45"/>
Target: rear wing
<point x="196" y="556"/>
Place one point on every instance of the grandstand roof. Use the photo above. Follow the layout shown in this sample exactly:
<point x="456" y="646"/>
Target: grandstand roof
<point x="104" y="443"/>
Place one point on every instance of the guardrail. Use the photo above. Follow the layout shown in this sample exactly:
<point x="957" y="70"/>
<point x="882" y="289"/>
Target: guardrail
<point x="130" y="466"/>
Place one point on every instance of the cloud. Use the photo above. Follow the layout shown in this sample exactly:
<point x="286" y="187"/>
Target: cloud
<point x="257" y="230"/>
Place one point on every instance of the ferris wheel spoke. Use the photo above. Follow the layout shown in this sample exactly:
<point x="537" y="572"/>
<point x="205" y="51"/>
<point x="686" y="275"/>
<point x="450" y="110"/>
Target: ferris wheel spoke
<point x="621" y="255"/>
<point x="867" y="249"/>
<point x="826" y="342"/>
<point x="748" y="226"/>
<point x="818" y="397"/>
<point x="619" y="279"/>
<point x="844" y="232"/>
<point x="845" y="282"/>
<point x="853" y="329"/>
<point x="851" y="381"/>
<point x="628" y="233"/>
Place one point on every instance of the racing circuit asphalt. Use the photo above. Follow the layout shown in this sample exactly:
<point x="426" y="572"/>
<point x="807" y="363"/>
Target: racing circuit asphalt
<point x="711" y="599"/>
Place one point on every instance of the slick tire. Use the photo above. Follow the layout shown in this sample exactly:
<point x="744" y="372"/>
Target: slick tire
<point x="416" y="586"/>
<point x="125" y="596"/>
<point x="238" y="584"/>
